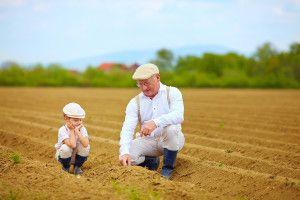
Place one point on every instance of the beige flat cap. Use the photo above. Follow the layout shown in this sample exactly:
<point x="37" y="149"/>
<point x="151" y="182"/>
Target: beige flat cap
<point x="74" y="110"/>
<point x="145" y="71"/>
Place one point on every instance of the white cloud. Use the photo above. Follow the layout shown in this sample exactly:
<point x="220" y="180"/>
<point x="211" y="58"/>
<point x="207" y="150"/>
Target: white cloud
<point x="12" y="3"/>
<point x="295" y="3"/>
<point x="31" y="27"/>
<point x="150" y="8"/>
<point x="42" y="6"/>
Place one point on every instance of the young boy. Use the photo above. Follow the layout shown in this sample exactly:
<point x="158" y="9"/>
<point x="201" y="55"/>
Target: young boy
<point x="73" y="141"/>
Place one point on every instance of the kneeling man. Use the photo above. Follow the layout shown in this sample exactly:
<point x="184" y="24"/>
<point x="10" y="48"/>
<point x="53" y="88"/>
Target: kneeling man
<point x="159" y="111"/>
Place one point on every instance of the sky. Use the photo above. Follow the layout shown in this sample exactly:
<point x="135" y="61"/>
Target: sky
<point x="56" y="31"/>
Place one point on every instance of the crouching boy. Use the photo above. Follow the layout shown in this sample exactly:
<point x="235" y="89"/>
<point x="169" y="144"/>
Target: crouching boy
<point x="73" y="142"/>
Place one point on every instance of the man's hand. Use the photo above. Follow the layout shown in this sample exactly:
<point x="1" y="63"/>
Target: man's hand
<point x="125" y="160"/>
<point x="148" y="127"/>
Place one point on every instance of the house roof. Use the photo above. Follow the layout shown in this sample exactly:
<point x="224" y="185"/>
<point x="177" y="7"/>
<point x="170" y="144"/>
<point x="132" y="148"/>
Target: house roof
<point x="108" y="66"/>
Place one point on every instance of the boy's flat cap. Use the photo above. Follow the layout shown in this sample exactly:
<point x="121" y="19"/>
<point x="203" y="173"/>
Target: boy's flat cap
<point x="74" y="110"/>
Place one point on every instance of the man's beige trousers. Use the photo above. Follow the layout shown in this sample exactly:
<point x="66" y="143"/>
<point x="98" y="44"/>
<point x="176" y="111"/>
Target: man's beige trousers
<point x="171" y="137"/>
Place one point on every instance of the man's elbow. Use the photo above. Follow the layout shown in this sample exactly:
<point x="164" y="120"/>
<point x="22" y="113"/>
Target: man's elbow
<point x="180" y="119"/>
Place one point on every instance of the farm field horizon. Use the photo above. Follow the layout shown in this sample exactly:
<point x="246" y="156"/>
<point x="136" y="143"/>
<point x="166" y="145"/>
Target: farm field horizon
<point x="240" y="144"/>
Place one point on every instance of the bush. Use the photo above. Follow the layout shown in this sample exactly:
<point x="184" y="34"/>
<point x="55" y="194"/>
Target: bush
<point x="267" y="68"/>
<point x="15" y="158"/>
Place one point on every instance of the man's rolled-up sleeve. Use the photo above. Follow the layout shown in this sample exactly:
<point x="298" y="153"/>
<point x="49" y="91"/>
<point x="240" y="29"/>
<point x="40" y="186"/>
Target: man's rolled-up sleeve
<point x="176" y="114"/>
<point x="129" y="124"/>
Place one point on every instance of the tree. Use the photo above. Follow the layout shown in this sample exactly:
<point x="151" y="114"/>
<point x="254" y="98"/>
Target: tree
<point x="294" y="59"/>
<point x="265" y="52"/>
<point x="164" y="59"/>
<point x="295" y="48"/>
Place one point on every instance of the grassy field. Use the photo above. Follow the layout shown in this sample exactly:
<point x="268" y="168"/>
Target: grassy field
<point x="240" y="144"/>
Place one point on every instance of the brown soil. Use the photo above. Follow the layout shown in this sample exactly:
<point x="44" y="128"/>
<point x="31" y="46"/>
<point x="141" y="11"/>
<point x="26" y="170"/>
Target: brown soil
<point x="240" y="144"/>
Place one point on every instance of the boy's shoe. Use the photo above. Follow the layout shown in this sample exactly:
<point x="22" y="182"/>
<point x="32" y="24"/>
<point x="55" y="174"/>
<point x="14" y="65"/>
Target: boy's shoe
<point x="78" y="170"/>
<point x="79" y="160"/>
<point x="65" y="169"/>
<point x="65" y="162"/>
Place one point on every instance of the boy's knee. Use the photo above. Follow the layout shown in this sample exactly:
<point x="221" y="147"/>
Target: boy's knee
<point x="83" y="151"/>
<point x="65" y="151"/>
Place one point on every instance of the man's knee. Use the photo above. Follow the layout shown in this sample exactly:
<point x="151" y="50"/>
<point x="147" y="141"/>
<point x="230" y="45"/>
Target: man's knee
<point x="83" y="151"/>
<point x="65" y="151"/>
<point x="172" y="130"/>
<point x="174" y="138"/>
<point x="135" y="152"/>
<point x="136" y="160"/>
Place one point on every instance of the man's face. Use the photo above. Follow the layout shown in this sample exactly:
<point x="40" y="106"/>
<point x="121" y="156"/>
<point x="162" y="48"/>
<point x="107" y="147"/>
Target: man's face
<point x="149" y="86"/>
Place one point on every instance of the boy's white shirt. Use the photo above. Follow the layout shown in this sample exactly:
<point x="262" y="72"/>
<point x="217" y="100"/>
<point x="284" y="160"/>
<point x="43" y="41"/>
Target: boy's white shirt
<point x="64" y="133"/>
<point x="156" y="109"/>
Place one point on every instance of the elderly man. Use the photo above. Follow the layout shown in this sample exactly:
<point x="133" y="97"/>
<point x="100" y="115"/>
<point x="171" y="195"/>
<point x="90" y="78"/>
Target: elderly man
<point x="159" y="111"/>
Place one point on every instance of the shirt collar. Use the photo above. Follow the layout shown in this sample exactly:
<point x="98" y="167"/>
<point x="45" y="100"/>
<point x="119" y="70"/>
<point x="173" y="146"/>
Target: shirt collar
<point x="162" y="87"/>
<point x="66" y="127"/>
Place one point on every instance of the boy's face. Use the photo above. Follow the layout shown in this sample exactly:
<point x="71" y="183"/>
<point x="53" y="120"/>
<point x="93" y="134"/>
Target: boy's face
<point x="73" y="121"/>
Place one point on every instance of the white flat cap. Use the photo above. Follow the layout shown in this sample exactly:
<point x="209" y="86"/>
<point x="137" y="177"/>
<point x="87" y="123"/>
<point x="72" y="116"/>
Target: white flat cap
<point x="145" y="71"/>
<point x="74" y="110"/>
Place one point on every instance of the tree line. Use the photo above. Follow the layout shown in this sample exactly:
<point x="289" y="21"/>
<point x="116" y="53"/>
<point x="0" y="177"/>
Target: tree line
<point x="266" y="68"/>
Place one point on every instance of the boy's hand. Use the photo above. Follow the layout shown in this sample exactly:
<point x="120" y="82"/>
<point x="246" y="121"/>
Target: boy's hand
<point x="77" y="129"/>
<point x="70" y="125"/>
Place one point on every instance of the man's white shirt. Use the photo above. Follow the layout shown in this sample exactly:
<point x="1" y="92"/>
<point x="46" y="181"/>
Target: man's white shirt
<point x="156" y="109"/>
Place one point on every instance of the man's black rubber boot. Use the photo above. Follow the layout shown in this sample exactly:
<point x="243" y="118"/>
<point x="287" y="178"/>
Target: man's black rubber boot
<point x="168" y="163"/>
<point x="150" y="163"/>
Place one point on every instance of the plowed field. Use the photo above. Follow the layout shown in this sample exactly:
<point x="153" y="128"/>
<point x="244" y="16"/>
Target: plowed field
<point x="240" y="144"/>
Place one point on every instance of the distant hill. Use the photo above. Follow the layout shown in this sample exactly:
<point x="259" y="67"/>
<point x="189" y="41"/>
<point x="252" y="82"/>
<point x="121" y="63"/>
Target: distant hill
<point x="140" y="56"/>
